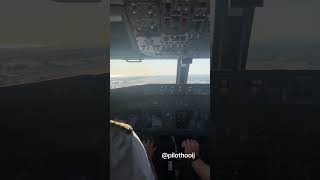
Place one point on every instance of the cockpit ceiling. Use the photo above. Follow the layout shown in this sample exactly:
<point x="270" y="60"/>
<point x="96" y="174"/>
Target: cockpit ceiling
<point x="151" y="29"/>
<point x="120" y="45"/>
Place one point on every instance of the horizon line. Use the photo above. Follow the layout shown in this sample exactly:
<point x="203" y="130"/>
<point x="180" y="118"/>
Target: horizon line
<point x="155" y="75"/>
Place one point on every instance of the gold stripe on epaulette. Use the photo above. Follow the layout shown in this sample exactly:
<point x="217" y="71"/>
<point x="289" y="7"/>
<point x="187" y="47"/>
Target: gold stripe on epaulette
<point x="128" y="129"/>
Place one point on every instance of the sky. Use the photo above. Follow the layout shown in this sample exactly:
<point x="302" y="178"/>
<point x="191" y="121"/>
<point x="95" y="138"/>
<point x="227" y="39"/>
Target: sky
<point x="47" y="23"/>
<point x="121" y="68"/>
<point x="287" y="20"/>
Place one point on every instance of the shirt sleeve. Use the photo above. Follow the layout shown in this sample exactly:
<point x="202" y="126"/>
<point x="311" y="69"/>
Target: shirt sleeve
<point x="128" y="158"/>
<point x="140" y="159"/>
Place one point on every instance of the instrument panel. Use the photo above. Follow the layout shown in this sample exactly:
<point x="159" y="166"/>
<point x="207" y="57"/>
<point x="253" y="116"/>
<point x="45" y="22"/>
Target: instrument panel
<point x="162" y="106"/>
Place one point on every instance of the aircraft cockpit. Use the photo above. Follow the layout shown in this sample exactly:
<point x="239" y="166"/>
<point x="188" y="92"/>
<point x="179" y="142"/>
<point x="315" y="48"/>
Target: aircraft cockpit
<point x="160" y="75"/>
<point x="164" y="110"/>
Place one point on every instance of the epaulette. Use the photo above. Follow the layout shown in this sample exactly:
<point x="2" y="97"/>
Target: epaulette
<point x="123" y="126"/>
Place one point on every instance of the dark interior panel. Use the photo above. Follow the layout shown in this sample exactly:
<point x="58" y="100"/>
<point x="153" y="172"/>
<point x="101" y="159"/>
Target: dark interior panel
<point x="55" y="129"/>
<point x="267" y="125"/>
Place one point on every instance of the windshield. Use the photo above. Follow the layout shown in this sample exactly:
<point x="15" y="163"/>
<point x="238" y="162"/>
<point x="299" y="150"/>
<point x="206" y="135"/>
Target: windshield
<point x="126" y="74"/>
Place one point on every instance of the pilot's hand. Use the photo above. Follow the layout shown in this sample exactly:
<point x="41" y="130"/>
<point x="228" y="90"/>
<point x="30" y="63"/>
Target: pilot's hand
<point x="150" y="147"/>
<point x="190" y="146"/>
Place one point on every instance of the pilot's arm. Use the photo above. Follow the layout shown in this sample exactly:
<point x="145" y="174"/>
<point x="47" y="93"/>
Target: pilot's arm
<point x="150" y="148"/>
<point x="199" y="166"/>
<point x="128" y="158"/>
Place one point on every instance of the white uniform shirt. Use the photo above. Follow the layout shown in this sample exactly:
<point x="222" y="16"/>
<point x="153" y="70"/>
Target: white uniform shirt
<point x="128" y="158"/>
